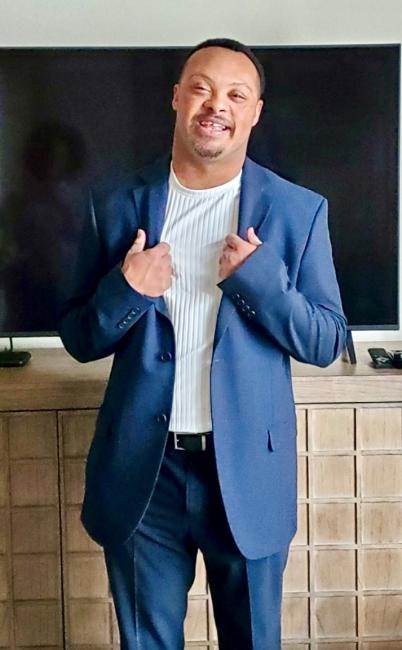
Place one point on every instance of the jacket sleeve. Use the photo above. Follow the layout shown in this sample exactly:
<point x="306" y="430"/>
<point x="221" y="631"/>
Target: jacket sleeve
<point x="305" y="317"/>
<point x="100" y="306"/>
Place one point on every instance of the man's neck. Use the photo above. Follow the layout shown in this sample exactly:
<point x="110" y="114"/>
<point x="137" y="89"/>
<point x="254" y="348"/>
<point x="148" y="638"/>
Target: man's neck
<point x="204" y="174"/>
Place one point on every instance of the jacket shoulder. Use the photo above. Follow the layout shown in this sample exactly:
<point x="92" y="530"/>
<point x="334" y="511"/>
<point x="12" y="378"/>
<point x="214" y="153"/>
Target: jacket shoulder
<point x="115" y="209"/>
<point x="283" y="190"/>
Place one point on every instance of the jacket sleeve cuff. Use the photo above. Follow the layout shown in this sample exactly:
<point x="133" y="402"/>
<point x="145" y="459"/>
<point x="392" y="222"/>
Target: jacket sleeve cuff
<point x="262" y="275"/>
<point x="117" y="302"/>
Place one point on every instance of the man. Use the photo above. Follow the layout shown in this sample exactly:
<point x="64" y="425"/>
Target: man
<point x="229" y="274"/>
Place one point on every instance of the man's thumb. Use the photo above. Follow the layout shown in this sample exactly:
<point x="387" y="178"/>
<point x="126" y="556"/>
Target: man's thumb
<point x="252" y="237"/>
<point x="139" y="242"/>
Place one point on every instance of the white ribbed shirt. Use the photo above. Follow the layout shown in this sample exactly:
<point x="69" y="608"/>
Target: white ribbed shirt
<point x="195" y="226"/>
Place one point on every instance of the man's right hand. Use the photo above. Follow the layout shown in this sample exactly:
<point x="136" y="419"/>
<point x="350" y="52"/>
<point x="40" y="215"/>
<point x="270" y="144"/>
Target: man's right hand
<point x="148" y="271"/>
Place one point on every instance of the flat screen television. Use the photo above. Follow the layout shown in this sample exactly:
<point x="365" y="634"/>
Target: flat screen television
<point x="74" y="119"/>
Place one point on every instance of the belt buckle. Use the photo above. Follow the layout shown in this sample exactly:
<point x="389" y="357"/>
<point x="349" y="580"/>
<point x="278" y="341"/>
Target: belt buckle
<point x="177" y="442"/>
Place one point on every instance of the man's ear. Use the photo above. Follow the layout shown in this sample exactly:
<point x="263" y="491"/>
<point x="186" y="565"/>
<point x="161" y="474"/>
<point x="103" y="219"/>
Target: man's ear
<point x="175" y="96"/>
<point x="258" y="110"/>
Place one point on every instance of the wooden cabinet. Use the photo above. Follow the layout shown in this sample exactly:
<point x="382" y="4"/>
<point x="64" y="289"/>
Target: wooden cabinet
<point x="343" y="582"/>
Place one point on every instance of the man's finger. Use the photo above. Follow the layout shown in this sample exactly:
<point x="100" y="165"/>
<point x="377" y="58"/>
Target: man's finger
<point x="162" y="249"/>
<point x="139" y="242"/>
<point x="232" y="240"/>
<point x="252" y="237"/>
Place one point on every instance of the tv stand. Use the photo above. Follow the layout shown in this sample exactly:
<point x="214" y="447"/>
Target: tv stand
<point x="343" y="584"/>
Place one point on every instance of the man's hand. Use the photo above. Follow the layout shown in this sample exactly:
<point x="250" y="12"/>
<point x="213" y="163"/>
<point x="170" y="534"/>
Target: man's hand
<point x="148" y="272"/>
<point x="235" y="251"/>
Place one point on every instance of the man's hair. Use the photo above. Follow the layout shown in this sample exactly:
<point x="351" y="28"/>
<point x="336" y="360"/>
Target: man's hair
<point x="235" y="46"/>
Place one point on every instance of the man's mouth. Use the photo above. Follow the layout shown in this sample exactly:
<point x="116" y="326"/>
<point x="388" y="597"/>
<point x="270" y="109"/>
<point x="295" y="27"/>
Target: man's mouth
<point x="209" y="126"/>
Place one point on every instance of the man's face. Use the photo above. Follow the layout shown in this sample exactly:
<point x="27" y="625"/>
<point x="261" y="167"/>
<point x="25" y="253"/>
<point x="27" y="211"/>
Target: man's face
<point x="217" y="102"/>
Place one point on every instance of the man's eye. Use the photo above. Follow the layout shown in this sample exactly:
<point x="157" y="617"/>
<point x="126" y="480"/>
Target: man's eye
<point x="238" y="96"/>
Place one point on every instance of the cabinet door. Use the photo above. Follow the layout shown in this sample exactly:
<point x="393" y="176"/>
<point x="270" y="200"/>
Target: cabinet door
<point x="30" y="576"/>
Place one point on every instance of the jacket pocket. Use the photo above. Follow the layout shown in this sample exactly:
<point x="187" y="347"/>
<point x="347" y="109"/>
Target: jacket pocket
<point x="270" y="441"/>
<point x="280" y="434"/>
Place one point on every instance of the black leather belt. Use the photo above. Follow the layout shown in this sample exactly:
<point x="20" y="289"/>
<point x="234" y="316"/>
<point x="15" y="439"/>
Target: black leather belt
<point x="190" y="441"/>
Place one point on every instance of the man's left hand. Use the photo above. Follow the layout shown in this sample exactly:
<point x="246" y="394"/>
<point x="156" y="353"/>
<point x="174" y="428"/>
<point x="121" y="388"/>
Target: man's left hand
<point x="235" y="251"/>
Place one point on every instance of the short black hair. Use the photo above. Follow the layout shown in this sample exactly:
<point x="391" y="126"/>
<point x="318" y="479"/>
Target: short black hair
<point x="235" y="46"/>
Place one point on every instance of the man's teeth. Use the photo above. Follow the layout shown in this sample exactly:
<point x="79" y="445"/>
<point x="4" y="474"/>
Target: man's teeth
<point x="213" y="125"/>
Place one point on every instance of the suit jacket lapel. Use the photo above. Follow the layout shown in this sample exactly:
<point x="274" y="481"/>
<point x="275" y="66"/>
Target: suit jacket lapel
<point x="253" y="211"/>
<point x="151" y="199"/>
<point x="255" y="198"/>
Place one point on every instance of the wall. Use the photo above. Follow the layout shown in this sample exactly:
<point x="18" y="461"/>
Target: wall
<point x="184" y="22"/>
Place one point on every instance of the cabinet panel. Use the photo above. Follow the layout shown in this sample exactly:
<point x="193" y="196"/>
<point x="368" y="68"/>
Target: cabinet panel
<point x="382" y="615"/>
<point x="296" y="575"/>
<point x="382" y="476"/>
<point x="5" y="625"/>
<point x="334" y="523"/>
<point x="335" y="616"/>
<point x="295" y="617"/>
<point x="331" y="429"/>
<point x="379" y="428"/>
<point x="381" y="523"/>
<point x="333" y="476"/>
<point x="335" y="570"/>
<point x="382" y="568"/>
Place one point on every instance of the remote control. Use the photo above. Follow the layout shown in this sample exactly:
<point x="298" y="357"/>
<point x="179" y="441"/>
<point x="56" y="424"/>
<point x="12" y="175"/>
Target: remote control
<point x="381" y="358"/>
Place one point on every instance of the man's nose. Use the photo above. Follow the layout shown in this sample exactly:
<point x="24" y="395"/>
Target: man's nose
<point x="216" y="103"/>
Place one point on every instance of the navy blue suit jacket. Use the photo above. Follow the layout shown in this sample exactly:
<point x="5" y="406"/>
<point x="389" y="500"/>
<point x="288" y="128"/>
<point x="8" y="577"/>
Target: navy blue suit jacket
<point x="283" y="301"/>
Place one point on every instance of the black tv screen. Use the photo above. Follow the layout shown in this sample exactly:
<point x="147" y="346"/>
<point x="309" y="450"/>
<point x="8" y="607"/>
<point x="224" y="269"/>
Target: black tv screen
<point x="72" y="120"/>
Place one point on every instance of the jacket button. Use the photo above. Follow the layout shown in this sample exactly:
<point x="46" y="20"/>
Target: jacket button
<point x="166" y="356"/>
<point x="161" y="418"/>
<point x="236" y="296"/>
<point x="120" y="326"/>
<point x="252" y="312"/>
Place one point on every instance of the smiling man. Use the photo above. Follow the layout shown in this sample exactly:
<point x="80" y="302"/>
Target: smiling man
<point x="203" y="278"/>
<point x="217" y="102"/>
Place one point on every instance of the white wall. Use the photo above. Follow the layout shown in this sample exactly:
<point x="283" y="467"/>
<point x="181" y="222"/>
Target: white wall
<point x="186" y="22"/>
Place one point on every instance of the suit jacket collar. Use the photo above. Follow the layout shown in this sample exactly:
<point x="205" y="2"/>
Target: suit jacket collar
<point x="151" y="198"/>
